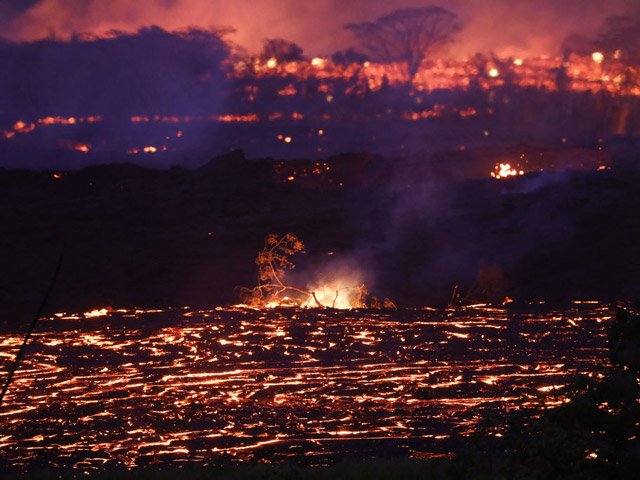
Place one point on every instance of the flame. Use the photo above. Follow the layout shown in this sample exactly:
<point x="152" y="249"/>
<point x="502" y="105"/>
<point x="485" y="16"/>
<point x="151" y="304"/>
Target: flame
<point x="503" y="170"/>
<point x="585" y="74"/>
<point x="319" y="62"/>
<point x="447" y="74"/>
<point x="340" y="293"/>
<point x="272" y="63"/>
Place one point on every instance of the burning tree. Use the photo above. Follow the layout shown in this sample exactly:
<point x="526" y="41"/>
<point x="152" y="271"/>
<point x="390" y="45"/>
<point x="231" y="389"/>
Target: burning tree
<point x="273" y="262"/>
<point x="407" y="35"/>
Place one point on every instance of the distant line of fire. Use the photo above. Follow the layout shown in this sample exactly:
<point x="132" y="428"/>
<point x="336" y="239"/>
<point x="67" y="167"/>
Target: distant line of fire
<point x="583" y="73"/>
<point x="24" y="127"/>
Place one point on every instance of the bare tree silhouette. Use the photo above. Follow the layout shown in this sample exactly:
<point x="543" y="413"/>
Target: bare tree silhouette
<point x="407" y="35"/>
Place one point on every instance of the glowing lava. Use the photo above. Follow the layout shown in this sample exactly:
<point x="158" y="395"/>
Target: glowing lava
<point x="274" y="385"/>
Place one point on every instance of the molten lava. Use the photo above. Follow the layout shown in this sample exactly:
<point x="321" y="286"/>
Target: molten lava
<point x="126" y="388"/>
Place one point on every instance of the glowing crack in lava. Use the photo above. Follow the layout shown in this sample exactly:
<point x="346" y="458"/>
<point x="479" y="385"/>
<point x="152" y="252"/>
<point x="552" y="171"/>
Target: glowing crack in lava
<point x="125" y="388"/>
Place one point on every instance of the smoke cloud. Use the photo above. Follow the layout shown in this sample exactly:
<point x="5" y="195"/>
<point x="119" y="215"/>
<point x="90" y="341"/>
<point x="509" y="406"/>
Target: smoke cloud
<point x="526" y="27"/>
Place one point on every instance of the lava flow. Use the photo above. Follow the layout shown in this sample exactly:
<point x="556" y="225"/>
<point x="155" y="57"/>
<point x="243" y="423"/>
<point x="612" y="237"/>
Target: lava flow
<point x="120" y="388"/>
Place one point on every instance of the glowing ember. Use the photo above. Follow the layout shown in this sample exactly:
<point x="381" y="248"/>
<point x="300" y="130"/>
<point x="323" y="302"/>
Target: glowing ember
<point x="338" y="294"/>
<point x="597" y="57"/>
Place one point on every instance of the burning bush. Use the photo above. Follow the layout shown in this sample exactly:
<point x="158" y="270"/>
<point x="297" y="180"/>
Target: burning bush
<point x="273" y="262"/>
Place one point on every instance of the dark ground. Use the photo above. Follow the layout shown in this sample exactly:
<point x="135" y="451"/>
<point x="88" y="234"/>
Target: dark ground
<point x="151" y="238"/>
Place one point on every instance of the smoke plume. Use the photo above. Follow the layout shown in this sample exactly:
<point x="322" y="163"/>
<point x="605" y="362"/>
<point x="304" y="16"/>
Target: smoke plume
<point x="526" y="27"/>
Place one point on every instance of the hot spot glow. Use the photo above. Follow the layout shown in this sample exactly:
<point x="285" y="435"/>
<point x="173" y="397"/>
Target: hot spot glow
<point x="504" y="170"/>
<point x="338" y="294"/>
<point x="98" y="313"/>
<point x="272" y="63"/>
<point x="318" y="62"/>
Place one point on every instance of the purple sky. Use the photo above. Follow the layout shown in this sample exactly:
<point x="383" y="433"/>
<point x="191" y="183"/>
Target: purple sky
<point x="506" y="27"/>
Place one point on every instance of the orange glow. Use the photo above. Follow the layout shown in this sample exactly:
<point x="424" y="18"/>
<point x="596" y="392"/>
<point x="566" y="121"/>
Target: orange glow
<point x="318" y="62"/>
<point x="585" y="74"/>
<point x="23" y="127"/>
<point x="340" y="294"/>
<point x="98" y="313"/>
<point x="180" y="384"/>
<point x="530" y="72"/>
<point x="74" y="145"/>
<point x="504" y="170"/>
<point x="272" y="63"/>
<point x="26" y="127"/>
